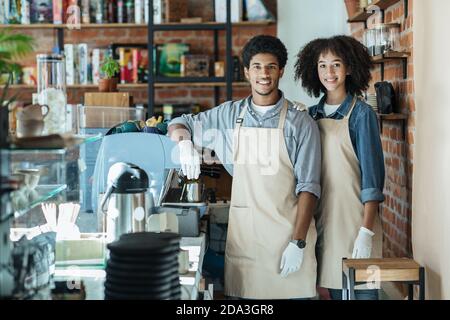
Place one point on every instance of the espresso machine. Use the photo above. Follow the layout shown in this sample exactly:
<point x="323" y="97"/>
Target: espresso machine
<point x="153" y="158"/>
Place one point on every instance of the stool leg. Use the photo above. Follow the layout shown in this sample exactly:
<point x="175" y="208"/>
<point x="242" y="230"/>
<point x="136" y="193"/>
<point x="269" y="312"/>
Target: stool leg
<point x="351" y="275"/>
<point x="410" y="291"/>
<point x="421" y="283"/>
<point x="344" y="287"/>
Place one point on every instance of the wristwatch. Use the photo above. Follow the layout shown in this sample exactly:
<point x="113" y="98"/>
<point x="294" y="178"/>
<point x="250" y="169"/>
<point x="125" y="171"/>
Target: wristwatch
<point x="299" y="243"/>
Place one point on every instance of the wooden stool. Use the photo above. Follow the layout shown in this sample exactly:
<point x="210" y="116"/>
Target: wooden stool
<point x="361" y="271"/>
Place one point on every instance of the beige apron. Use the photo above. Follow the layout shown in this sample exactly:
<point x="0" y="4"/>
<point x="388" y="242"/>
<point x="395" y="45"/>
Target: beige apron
<point x="262" y="217"/>
<point x="340" y="211"/>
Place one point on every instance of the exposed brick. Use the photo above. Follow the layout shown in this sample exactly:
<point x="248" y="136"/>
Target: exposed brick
<point x="410" y="137"/>
<point x="171" y="93"/>
<point x="396" y="163"/>
<point x="201" y="92"/>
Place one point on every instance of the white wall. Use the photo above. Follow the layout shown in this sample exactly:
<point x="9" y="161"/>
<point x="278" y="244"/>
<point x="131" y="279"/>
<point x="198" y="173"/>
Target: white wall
<point x="431" y="175"/>
<point x="300" y="21"/>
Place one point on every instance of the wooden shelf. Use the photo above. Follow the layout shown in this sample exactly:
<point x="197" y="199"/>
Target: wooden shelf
<point x="130" y="25"/>
<point x="31" y="26"/>
<point x="384" y="4"/>
<point x="142" y="85"/>
<point x="363" y="15"/>
<point x="392" y="116"/>
<point x="84" y="86"/>
<point x="66" y="26"/>
<point x="253" y="23"/>
<point x="389" y="56"/>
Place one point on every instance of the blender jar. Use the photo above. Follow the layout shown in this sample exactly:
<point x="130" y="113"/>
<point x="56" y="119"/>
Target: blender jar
<point x="51" y="89"/>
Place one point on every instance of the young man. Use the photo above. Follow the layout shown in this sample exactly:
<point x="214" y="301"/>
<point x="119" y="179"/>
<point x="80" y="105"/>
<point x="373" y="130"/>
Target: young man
<point x="273" y="153"/>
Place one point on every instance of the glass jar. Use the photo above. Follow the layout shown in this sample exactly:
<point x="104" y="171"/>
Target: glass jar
<point x="386" y="38"/>
<point x="51" y="91"/>
<point x="370" y="41"/>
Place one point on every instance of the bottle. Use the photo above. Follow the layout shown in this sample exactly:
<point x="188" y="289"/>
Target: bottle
<point x="112" y="11"/>
<point x="120" y="9"/>
<point x="129" y="11"/>
<point x="51" y="91"/>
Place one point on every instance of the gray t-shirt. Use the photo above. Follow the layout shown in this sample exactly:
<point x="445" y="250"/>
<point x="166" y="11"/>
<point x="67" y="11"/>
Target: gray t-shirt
<point x="213" y="129"/>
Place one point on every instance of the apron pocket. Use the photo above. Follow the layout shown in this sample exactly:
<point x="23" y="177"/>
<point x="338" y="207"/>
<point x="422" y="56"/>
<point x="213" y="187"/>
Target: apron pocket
<point x="240" y="237"/>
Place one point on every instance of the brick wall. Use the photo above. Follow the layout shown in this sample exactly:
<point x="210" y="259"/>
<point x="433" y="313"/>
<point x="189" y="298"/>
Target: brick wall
<point x="398" y="149"/>
<point x="200" y="41"/>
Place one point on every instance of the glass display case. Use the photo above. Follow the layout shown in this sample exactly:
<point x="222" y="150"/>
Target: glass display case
<point x="42" y="186"/>
<point x="47" y="225"/>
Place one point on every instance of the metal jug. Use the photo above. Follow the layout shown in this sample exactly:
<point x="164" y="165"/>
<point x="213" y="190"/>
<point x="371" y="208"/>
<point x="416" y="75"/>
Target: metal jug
<point x="126" y="203"/>
<point x="192" y="191"/>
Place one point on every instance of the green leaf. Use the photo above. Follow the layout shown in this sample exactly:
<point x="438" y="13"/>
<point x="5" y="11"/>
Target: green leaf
<point x="110" y="67"/>
<point x="13" y="46"/>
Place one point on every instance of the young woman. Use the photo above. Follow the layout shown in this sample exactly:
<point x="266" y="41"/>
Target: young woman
<point x="352" y="175"/>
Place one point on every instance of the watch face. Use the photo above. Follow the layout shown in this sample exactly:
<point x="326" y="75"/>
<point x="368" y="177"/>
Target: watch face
<point x="301" y="244"/>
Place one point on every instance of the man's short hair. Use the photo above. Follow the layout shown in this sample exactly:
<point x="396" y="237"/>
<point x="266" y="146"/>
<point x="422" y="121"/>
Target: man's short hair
<point x="264" y="44"/>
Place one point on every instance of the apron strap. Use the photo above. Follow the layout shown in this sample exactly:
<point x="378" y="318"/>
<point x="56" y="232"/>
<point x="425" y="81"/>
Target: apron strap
<point x="240" y="118"/>
<point x="239" y="121"/>
<point x="355" y="99"/>
<point x="283" y="115"/>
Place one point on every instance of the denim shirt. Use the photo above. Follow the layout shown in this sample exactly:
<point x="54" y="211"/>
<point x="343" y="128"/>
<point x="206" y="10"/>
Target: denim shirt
<point x="366" y="141"/>
<point x="213" y="129"/>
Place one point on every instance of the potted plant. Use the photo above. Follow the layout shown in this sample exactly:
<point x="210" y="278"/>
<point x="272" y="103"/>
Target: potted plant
<point x="12" y="46"/>
<point x="110" y="68"/>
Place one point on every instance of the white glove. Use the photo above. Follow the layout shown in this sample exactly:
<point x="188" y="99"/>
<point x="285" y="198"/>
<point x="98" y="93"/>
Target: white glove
<point x="299" y="106"/>
<point x="363" y="244"/>
<point x="291" y="260"/>
<point x="189" y="159"/>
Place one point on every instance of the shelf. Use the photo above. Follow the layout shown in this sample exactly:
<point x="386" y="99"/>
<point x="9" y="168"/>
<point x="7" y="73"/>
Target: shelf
<point x="390" y="56"/>
<point x="84" y="86"/>
<point x="200" y="84"/>
<point x="131" y="86"/>
<point x="67" y="26"/>
<point x="254" y="23"/>
<point x="44" y="193"/>
<point x="52" y="144"/>
<point x="162" y="26"/>
<point x="384" y="4"/>
<point x="363" y="15"/>
<point x="392" y="116"/>
<point x="189" y="79"/>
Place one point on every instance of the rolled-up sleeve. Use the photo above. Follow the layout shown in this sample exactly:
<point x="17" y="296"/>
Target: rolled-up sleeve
<point x="308" y="158"/>
<point x="370" y="155"/>
<point x="212" y="129"/>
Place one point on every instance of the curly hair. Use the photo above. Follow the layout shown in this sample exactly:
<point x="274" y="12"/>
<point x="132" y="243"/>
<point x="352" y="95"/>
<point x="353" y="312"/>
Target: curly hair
<point x="354" y="55"/>
<point x="264" y="44"/>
